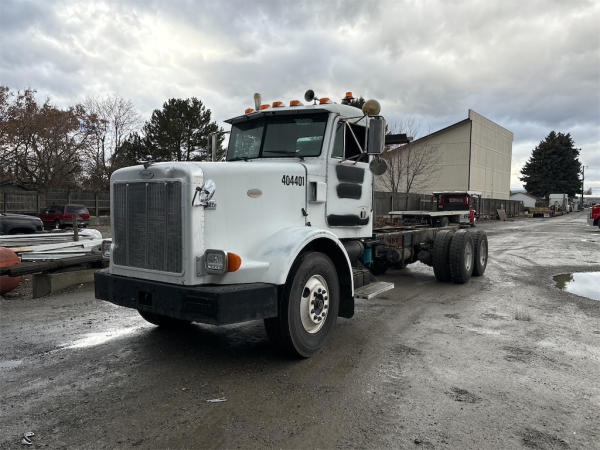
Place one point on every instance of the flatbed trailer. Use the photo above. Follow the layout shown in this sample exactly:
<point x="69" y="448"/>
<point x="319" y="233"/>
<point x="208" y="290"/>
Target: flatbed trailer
<point x="433" y="218"/>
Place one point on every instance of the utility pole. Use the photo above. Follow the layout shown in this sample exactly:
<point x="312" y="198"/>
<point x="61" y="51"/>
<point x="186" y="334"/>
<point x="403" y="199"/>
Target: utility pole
<point x="582" y="182"/>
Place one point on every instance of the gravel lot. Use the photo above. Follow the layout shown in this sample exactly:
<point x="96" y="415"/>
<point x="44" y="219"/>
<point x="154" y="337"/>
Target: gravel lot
<point x="505" y="361"/>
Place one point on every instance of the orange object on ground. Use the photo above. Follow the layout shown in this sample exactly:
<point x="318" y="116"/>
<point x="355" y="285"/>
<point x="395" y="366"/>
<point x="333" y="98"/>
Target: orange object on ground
<point x="8" y="258"/>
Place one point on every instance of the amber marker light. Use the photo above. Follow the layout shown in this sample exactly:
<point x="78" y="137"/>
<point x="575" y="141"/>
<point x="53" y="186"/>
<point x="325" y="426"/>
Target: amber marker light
<point x="234" y="262"/>
<point x="277" y="104"/>
<point x="349" y="94"/>
<point x="324" y="100"/>
<point x="295" y="103"/>
<point x="265" y="106"/>
<point x="248" y="110"/>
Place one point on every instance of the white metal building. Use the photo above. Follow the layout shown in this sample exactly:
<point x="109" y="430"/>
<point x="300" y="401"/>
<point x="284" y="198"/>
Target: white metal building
<point x="527" y="199"/>
<point x="471" y="155"/>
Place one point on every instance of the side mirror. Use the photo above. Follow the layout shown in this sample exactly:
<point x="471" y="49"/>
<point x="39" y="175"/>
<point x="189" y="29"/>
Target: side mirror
<point x="376" y="136"/>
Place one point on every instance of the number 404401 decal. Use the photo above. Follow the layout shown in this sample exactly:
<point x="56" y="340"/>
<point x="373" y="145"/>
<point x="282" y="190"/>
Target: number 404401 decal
<point x="292" y="180"/>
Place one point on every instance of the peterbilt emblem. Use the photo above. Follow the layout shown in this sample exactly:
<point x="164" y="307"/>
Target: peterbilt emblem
<point x="206" y="191"/>
<point x="254" y="193"/>
<point x="147" y="174"/>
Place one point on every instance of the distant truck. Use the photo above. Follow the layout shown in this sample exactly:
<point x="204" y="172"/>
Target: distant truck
<point x="594" y="217"/>
<point x="559" y="203"/>
<point x="451" y="207"/>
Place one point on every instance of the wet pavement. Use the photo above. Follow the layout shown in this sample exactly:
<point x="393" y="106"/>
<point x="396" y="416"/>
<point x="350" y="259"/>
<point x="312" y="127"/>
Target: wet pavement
<point x="505" y="361"/>
<point x="584" y="284"/>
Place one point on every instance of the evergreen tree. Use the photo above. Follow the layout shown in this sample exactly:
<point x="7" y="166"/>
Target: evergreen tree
<point x="180" y="131"/>
<point x="553" y="167"/>
<point x="356" y="102"/>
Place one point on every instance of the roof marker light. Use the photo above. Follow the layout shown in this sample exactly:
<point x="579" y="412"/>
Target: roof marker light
<point x="295" y="103"/>
<point x="265" y="106"/>
<point x="248" y="110"/>
<point x="349" y="95"/>
<point x="277" y="104"/>
<point x="324" y="100"/>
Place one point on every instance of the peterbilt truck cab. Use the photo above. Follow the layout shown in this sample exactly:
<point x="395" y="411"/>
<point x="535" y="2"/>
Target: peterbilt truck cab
<point x="269" y="233"/>
<point x="281" y="230"/>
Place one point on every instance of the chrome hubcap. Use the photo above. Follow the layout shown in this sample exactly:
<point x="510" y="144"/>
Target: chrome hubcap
<point x="468" y="256"/>
<point x="314" y="304"/>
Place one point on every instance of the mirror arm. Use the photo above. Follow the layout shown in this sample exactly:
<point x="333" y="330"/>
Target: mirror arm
<point x="356" y="140"/>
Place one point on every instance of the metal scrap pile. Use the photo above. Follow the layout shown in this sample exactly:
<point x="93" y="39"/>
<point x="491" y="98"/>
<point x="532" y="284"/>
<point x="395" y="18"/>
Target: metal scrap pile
<point x="52" y="246"/>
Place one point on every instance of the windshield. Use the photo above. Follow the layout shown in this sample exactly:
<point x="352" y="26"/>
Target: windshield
<point x="277" y="137"/>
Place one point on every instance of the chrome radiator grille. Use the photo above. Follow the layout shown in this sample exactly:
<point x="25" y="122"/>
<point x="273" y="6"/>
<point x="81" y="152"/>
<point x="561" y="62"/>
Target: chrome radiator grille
<point x="147" y="225"/>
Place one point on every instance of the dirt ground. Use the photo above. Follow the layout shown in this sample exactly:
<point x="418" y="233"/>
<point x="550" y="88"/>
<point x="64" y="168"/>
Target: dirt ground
<point x="505" y="361"/>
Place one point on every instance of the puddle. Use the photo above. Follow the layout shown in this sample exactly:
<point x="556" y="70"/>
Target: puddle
<point x="584" y="284"/>
<point x="10" y="363"/>
<point x="93" y="339"/>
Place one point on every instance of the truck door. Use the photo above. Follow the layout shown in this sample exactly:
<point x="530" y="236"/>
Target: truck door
<point x="349" y="180"/>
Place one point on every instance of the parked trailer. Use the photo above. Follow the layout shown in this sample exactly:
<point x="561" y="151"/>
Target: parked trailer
<point x="280" y="231"/>
<point x="452" y="207"/>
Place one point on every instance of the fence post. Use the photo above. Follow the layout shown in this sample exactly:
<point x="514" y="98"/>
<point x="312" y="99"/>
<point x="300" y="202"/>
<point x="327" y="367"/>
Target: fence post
<point x="96" y="203"/>
<point x="69" y="196"/>
<point x="5" y="202"/>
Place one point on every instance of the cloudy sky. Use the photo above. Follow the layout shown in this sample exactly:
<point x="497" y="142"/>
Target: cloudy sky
<point x="531" y="66"/>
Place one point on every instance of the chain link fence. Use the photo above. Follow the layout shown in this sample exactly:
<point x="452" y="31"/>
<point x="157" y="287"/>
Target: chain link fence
<point x="32" y="202"/>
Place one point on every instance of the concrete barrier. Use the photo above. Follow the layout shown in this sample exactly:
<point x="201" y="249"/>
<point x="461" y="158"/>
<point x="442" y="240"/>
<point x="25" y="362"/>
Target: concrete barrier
<point x="49" y="283"/>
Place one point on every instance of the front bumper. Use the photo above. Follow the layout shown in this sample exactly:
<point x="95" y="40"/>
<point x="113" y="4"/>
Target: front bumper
<point x="213" y="304"/>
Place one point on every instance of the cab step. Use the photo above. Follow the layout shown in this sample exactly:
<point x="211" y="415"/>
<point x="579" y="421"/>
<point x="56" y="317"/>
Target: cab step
<point x="371" y="290"/>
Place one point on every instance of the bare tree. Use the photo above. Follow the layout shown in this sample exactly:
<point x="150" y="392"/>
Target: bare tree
<point x="41" y="145"/>
<point x="409" y="165"/>
<point x="113" y="119"/>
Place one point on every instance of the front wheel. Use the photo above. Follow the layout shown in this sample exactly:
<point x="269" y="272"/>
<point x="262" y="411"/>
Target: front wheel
<point x="308" y="306"/>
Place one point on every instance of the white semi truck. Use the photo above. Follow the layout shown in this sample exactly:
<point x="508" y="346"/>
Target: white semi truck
<point x="282" y="230"/>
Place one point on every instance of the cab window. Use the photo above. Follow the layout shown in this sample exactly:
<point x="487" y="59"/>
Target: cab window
<point x="349" y="149"/>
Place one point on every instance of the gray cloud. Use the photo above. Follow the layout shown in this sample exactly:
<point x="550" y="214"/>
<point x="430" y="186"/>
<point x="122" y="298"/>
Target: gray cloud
<point x="530" y="66"/>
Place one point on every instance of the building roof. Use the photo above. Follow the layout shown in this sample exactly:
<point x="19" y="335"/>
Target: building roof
<point x="525" y="193"/>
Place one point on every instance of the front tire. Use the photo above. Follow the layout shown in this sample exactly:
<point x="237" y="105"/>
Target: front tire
<point x="163" y="321"/>
<point x="308" y="306"/>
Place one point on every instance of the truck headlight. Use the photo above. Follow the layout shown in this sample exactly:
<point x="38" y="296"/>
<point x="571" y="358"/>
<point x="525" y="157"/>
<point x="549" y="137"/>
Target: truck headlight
<point x="215" y="261"/>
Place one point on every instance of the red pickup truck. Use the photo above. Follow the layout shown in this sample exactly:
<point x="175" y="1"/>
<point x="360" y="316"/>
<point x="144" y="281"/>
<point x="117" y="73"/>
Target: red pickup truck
<point x="60" y="216"/>
<point x="594" y="218"/>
